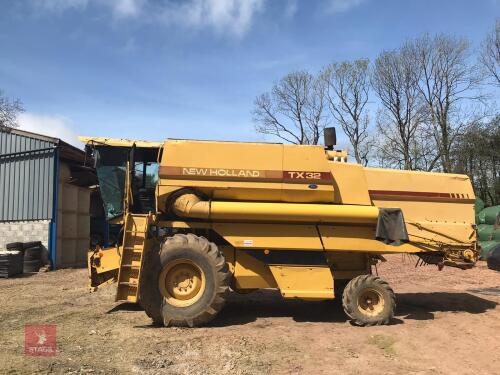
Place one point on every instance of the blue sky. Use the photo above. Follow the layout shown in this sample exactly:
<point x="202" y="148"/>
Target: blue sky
<point x="152" y="69"/>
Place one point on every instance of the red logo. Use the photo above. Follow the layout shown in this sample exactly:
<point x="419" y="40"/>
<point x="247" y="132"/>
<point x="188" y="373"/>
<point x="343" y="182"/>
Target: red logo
<point x="40" y="340"/>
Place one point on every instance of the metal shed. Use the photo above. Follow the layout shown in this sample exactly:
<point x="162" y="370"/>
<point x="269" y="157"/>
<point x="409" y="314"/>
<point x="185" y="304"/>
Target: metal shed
<point x="37" y="201"/>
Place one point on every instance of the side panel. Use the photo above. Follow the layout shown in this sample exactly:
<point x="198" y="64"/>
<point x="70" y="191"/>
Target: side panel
<point x="250" y="273"/>
<point x="346" y="266"/>
<point x="306" y="175"/>
<point x="362" y="239"/>
<point x="297" y="274"/>
<point x="350" y="184"/>
<point x="437" y="207"/>
<point x="270" y="236"/>
<point x="311" y="283"/>
<point x="249" y="171"/>
<point x="224" y="170"/>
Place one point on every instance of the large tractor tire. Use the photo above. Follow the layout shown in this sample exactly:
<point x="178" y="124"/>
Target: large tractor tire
<point x="150" y="297"/>
<point x="368" y="300"/>
<point x="188" y="284"/>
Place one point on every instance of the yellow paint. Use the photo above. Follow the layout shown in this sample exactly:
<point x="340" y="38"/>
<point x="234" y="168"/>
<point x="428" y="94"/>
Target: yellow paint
<point x="311" y="283"/>
<point x="106" y="260"/>
<point x="190" y="206"/>
<point x="265" y="236"/>
<point x="249" y="273"/>
<point x="287" y="197"/>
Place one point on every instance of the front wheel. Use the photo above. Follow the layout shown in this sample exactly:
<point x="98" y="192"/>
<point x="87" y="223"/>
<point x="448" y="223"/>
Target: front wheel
<point x="368" y="300"/>
<point x="189" y="283"/>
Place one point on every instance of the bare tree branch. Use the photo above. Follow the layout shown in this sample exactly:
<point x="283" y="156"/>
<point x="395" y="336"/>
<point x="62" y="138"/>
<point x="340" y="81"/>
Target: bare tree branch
<point x="490" y="54"/>
<point x="447" y="79"/>
<point x="294" y="110"/>
<point x="9" y="110"/>
<point x="402" y="142"/>
<point x="347" y="91"/>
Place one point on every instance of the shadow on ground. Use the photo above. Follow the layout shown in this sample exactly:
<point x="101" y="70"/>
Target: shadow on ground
<point x="422" y="306"/>
<point x="125" y="306"/>
<point x="244" y="309"/>
<point x="417" y="306"/>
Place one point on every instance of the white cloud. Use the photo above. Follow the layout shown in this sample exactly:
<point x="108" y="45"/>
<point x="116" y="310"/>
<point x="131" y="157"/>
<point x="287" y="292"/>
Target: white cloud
<point x="224" y="16"/>
<point x="53" y="126"/>
<point x="339" y="6"/>
<point x="126" y="8"/>
<point x="61" y="5"/>
<point x="234" y="16"/>
<point x="119" y="8"/>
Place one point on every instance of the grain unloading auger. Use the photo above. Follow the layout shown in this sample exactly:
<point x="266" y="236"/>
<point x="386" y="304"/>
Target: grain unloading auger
<point x="201" y="218"/>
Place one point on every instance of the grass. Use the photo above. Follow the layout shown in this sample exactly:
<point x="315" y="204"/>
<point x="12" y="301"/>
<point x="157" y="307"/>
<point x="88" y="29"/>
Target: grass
<point x="383" y="342"/>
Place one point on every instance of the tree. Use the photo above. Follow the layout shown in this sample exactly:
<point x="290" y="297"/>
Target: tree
<point x="477" y="154"/>
<point x="347" y="91"/>
<point x="294" y="109"/>
<point x="490" y="54"/>
<point x="9" y="110"/>
<point x="447" y="80"/>
<point x="401" y="140"/>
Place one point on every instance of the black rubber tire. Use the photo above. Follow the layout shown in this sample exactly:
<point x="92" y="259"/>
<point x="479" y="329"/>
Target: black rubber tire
<point x="339" y="287"/>
<point x="211" y="261"/>
<point x="31" y="266"/>
<point x="150" y="297"/>
<point x="28" y="245"/>
<point x="32" y="253"/>
<point x="14" y="246"/>
<point x="352" y="292"/>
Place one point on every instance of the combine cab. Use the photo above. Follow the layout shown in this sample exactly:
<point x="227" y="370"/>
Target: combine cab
<point x="201" y="218"/>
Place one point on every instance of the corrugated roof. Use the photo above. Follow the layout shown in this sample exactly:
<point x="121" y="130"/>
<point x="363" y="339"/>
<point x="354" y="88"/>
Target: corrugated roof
<point x="67" y="151"/>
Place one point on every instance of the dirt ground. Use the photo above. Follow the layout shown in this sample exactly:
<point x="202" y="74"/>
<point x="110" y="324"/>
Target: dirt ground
<point x="446" y="323"/>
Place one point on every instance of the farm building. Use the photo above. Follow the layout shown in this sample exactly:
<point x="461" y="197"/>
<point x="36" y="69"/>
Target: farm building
<point x="44" y="196"/>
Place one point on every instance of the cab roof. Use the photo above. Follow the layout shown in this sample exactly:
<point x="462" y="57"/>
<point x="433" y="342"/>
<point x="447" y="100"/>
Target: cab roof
<point x="119" y="142"/>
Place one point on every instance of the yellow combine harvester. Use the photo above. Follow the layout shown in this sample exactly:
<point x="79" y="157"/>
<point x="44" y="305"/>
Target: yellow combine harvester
<point x="201" y="218"/>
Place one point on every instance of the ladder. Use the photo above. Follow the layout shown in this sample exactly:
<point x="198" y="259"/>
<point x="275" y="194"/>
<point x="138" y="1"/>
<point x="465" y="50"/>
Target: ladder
<point x="134" y="243"/>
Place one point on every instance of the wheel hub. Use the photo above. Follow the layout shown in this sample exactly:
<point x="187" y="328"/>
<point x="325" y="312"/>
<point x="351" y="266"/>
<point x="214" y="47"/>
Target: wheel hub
<point x="371" y="302"/>
<point x="182" y="282"/>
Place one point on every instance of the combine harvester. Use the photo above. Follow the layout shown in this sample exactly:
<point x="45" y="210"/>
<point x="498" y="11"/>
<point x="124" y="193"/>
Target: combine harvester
<point x="201" y="218"/>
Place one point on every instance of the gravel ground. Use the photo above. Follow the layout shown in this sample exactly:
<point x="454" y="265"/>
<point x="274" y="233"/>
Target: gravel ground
<point x="446" y="322"/>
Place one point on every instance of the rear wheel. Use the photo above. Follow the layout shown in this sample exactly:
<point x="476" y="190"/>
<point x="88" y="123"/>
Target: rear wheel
<point x="368" y="300"/>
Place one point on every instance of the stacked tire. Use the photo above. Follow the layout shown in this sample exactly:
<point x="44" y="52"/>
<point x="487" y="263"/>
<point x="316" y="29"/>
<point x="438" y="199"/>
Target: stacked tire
<point x="32" y="256"/>
<point x="11" y="261"/>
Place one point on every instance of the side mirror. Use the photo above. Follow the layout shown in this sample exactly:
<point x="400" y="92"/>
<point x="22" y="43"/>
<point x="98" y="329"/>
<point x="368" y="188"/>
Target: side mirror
<point x="89" y="151"/>
<point x="330" y="138"/>
<point x="89" y="155"/>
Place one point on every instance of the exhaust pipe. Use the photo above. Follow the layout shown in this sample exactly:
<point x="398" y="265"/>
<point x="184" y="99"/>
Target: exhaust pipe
<point x="191" y="206"/>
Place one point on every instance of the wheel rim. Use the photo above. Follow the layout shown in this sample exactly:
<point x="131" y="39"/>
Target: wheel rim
<point x="182" y="282"/>
<point x="371" y="302"/>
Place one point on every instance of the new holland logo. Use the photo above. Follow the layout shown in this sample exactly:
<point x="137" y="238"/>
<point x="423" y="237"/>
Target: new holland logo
<point x="221" y="172"/>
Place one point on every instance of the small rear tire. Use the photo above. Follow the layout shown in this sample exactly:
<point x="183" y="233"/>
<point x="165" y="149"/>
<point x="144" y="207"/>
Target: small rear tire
<point x="368" y="300"/>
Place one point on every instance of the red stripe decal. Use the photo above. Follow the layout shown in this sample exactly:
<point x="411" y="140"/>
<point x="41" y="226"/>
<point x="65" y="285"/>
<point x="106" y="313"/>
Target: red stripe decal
<point x="427" y="194"/>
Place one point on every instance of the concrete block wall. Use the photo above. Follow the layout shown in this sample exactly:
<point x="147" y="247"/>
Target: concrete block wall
<point x="25" y="231"/>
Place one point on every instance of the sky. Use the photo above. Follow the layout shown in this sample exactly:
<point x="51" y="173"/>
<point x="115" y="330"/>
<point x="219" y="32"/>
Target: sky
<point x="156" y="69"/>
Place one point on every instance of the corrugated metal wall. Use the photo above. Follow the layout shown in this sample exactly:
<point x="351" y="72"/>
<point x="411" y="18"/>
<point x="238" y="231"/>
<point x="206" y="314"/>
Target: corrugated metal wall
<point x="26" y="177"/>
